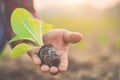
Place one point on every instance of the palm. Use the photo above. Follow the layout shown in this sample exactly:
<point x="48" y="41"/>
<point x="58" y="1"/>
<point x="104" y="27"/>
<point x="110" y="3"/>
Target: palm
<point x="60" y="39"/>
<point x="55" y="37"/>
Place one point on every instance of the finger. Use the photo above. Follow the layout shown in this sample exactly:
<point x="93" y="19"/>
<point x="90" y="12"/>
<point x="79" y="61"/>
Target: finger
<point x="64" y="63"/>
<point x="54" y="70"/>
<point x="72" y="37"/>
<point x="36" y="59"/>
<point x="44" y="68"/>
<point x="33" y="51"/>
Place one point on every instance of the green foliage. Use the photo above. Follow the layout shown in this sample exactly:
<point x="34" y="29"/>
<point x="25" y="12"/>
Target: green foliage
<point x="20" y="49"/>
<point x="25" y="26"/>
<point x="20" y="21"/>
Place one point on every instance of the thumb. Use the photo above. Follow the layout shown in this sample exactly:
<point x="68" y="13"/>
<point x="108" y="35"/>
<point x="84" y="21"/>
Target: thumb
<point x="72" y="37"/>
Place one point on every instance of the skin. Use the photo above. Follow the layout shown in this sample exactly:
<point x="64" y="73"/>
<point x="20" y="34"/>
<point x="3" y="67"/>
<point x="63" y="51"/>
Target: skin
<point x="60" y="38"/>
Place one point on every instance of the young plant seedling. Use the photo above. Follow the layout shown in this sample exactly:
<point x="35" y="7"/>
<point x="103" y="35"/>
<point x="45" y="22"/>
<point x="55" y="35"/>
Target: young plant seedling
<point x="26" y="27"/>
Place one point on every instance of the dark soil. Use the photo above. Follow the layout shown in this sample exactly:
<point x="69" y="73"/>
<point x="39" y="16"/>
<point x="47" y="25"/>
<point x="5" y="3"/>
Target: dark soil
<point x="49" y="56"/>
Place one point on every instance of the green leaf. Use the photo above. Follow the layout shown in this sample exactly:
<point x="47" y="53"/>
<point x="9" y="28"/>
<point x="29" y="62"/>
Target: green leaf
<point x="40" y="28"/>
<point x="16" y="38"/>
<point x="35" y="26"/>
<point x="20" y="49"/>
<point x="46" y="27"/>
<point x="20" y="21"/>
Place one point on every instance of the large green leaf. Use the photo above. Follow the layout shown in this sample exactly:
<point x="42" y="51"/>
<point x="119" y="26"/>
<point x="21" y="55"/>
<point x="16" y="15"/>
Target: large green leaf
<point x="20" y="21"/>
<point x="26" y="27"/>
<point x="20" y="49"/>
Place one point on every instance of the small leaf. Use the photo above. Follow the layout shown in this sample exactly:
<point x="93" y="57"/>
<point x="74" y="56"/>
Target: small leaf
<point x="46" y="27"/>
<point x="20" y="49"/>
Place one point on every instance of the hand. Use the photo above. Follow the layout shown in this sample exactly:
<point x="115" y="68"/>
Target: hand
<point x="60" y="38"/>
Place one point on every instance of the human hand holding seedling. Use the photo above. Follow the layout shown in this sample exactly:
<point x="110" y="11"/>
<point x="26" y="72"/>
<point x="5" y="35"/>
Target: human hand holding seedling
<point x="60" y="38"/>
<point x="26" y="27"/>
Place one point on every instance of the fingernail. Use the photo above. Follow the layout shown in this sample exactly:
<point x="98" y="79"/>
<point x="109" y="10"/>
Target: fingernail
<point x="53" y="70"/>
<point x="44" y="68"/>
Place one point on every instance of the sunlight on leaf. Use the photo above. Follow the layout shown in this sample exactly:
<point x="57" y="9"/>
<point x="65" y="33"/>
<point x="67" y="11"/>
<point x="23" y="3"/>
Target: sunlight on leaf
<point x="26" y="27"/>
